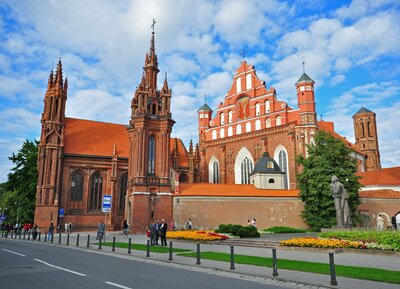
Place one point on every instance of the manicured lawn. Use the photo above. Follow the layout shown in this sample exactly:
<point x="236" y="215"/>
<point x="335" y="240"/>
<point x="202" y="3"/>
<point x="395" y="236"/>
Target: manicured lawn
<point x="142" y="247"/>
<point x="372" y="274"/>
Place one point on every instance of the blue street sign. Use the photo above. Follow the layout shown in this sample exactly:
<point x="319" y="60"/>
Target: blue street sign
<point x="106" y="204"/>
<point x="2" y="218"/>
<point x="61" y="212"/>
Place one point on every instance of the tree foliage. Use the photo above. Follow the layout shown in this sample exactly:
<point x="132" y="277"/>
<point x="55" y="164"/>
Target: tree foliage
<point x="327" y="157"/>
<point x="19" y="191"/>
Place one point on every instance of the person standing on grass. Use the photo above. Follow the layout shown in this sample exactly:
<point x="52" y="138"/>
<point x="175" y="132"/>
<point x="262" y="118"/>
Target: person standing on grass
<point x="163" y="232"/>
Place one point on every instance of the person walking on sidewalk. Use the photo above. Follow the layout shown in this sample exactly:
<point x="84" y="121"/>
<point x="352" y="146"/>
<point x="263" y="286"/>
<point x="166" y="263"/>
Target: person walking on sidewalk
<point x="125" y="228"/>
<point x="163" y="232"/>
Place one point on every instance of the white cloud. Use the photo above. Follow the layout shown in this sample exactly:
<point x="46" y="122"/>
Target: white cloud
<point x="337" y="79"/>
<point x="360" y="8"/>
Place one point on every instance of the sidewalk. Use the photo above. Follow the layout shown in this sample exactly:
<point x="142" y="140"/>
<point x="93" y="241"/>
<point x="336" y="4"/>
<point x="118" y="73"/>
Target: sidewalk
<point x="255" y="273"/>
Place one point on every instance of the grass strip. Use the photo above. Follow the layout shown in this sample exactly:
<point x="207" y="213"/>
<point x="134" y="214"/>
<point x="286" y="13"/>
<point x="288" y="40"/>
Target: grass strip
<point x="372" y="274"/>
<point x="142" y="247"/>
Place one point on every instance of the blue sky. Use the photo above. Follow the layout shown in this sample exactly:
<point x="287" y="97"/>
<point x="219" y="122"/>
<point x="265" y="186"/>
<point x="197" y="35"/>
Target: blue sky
<point x="350" y="48"/>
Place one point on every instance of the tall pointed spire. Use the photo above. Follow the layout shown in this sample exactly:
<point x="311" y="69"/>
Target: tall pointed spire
<point x="51" y="79"/>
<point x="191" y="147"/>
<point x="58" y="79"/>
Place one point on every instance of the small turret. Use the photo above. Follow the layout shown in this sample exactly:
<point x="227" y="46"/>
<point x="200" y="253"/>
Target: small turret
<point x="306" y="100"/>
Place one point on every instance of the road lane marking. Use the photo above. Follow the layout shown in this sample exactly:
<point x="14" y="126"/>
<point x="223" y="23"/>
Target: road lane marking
<point x="60" y="268"/>
<point x="14" y="252"/>
<point x="117" y="285"/>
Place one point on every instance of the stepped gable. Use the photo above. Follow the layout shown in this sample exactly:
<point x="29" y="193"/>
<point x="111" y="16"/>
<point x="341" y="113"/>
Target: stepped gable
<point x="232" y="190"/>
<point x="383" y="177"/>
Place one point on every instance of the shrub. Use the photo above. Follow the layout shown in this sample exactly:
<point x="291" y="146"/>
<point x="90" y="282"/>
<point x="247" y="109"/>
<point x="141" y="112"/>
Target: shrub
<point x="223" y="228"/>
<point x="281" y="229"/>
<point x="235" y="229"/>
<point x="248" y="232"/>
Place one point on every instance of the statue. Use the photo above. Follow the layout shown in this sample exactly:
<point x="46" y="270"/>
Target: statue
<point x="340" y="198"/>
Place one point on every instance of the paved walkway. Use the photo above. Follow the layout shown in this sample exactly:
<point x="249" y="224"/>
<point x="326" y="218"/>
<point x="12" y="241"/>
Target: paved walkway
<point x="290" y="279"/>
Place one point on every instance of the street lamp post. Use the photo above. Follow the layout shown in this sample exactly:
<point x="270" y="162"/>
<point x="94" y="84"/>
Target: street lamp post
<point x="17" y="211"/>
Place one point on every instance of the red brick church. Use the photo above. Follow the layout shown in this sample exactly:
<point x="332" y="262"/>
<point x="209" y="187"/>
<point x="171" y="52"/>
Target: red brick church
<point x="147" y="173"/>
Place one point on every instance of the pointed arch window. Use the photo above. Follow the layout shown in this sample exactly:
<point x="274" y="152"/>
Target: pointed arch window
<point x="238" y="85"/>
<point x="77" y="181"/>
<point x="238" y="129"/>
<point x="258" y="111"/>
<point x="96" y="192"/>
<point x="278" y="120"/>
<point x="248" y="127"/>
<point x="214" y="134"/>
<point x="267" y="108"/>
<point x="122" y="186"/>
<point x="246" y="168"/>
<point x="284" y="168"/>
<point x="230" y="131"/>
<point x="258" y="124"/>
<point x="222" y="133"/>
<point x="248" y="81"/>
<point x="268" y="122"/>
<point x="230" y="116"/>
<point x="152" y="156"/>
<point x="222" y="118"/>
<point x="215" y="172"/>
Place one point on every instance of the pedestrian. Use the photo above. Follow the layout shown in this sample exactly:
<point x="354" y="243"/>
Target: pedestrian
<point x="398" y="220"/>
<point x="70" y="227"/>
<point x="125" y="229"/>
<point x="100" y="230"/>
<point x="172" y="225"/>
<point x="188" y="224"/>
<point x="394" y="225"/>
<point x="163" y="232"/>
<point x="248" y="222"/>
<point x="157" y="227"/>
<point x="51" y="231"/>
<point x="380" y="222"/>
<point x="152" y="229"/>
<point x="66" y="227"/>
<point x="254" y="222"/>
<point x="35" y="231"/>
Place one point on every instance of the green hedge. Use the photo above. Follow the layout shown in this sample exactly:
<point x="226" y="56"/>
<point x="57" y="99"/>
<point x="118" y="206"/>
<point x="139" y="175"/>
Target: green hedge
<point x="391" y="239"/>
<point x="281" y="229"/>
<point x="238" y="230"/>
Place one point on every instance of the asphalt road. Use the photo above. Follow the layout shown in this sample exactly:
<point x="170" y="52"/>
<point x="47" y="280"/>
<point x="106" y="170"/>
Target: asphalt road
<point x="26" y="265"/>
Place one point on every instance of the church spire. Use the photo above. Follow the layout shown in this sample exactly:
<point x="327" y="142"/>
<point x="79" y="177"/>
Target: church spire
<point x="151" y="63"/>
<point x="58" y="79"/>
<point x="51" y="79"/>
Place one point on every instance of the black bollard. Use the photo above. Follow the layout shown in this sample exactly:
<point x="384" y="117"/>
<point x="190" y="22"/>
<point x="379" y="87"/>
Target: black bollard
<point x="12" y="232"/>
<point x="232" y="258"/>
<point x="332" y="269"/>
<point x="77" y="240"/>
<point x="67" y="239"/>
<point x="52" y="237"/>
<point x="40" y="234"/>
<point x="170" y="251"/>
<point x="2" y="234"/>
<point x="20" y="235"/>
<point x="45" y="237"/>
<point x="29" y="235"/>
<point x="113" y="247"/>
<point x="100" y="243"/>
<point x="24" y="235"/>
<point x="274" y="263"/>
<point x="129" y="245"/>
<point x="198" y="254"/>
<point x="59" y="238"/>
<point x="88" y="241"/>
<point x="148" y="249"/>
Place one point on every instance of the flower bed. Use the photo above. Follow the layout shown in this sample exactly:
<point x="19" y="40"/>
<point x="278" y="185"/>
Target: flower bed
<point x="196" y="235"/>
<point x="322" y="243"/>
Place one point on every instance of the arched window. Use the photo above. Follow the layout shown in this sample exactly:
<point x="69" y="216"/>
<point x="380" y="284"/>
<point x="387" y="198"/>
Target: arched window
<point x="268" y="122"/>
<point x="152" y="156"/>
<point x="230" y="116"/>
<point x="248" y="127"/>
<point x="246" y="169"/>
<point x="230" y="131"/>
<point x="248" y="81"/>
<point x="243" y="166"/>
<point x="267" y="108"/>
<point x="280" y="156"/>
<point x="222" y="133"/>
<point x="213" y="171"/>
<point x="222" y="118"/>
<point x="77" y="181"/>
<point x="96" y="192"/>
<point x="258" y="124"/>
<point x="238" y="129"/>
<point x="271" y="181"/>
<point x="278" y="120"/>
<point x="214" y="134"/>
<point x="238" y="85"/>
<point x="122" y="186"/>
<point x="258" y="109"/>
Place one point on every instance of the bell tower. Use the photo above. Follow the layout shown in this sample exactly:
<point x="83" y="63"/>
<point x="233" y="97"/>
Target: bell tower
<point x="366" y="136"/>
<point x="51" y="148"/>
<point x="149" y="187"/>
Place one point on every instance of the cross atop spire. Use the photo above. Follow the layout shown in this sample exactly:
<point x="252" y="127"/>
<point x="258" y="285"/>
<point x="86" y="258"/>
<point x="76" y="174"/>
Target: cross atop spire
<point x="243" y="53"/>
<point x="152" y="25"/>
<point x="304" y="66"/>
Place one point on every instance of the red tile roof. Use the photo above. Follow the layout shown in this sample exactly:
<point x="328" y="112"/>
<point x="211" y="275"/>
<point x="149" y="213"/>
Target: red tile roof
<point x="95" y="138"/>
<point x="379" y="194"/>
<point x="388" y="177"/>
<point x="231" y="190"/>
<point x="328" y="126"/>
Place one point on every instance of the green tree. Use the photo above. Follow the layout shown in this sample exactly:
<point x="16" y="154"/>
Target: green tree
<point x="18" y="193"/>
<point x="328" y="156"/>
